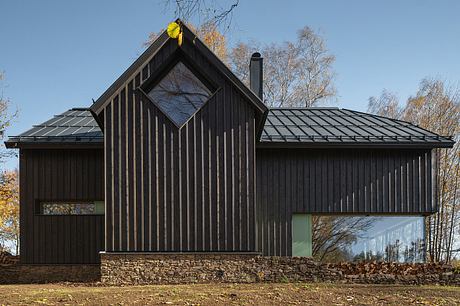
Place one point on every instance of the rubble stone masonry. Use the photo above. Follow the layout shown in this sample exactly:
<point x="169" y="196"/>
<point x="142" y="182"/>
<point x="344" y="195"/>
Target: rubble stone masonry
<point x="169" y="268"/>
<point x="125" y="269"/>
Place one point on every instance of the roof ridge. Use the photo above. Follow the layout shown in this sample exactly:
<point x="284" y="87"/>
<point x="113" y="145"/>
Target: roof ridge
<point x="304" y="108"/>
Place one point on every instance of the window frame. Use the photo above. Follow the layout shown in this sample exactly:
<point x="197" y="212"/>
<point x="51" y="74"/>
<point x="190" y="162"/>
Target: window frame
<point x="163" y="70"/>
<point x="38" y="211"/>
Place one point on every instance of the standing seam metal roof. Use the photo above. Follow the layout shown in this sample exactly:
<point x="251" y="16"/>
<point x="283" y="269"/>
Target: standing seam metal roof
<point x="283" y="125"/>
<point x="343" y="126"/>
<point x="74" y="125"/>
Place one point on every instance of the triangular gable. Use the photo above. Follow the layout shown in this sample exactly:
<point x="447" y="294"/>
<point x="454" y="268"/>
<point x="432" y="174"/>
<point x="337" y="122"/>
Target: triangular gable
<point x="189" y="38"/>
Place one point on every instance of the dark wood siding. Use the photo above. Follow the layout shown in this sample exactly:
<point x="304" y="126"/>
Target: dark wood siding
<point x="325" y="181"/>
<point x="187" y="189"/>
<point x="60" y="175"/>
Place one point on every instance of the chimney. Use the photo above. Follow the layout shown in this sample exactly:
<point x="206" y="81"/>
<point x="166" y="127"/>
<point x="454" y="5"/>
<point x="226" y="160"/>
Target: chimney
<point x="256" y="74"/>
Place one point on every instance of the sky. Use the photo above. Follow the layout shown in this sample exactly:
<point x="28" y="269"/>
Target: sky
<point x="62" y="54"/>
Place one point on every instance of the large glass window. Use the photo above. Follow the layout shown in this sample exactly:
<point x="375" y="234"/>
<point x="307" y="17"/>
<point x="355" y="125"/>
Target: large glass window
<point x="69" y="208"/>
<point x="180" y="94"/>
<point x="395" y="239"/>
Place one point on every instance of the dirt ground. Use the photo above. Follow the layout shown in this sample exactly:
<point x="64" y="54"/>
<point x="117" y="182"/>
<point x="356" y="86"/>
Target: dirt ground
<point x="229" y="294"/>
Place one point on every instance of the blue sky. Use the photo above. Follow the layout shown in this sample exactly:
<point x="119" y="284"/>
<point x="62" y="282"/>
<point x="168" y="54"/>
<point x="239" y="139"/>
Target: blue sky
<point x="61" y="54"/>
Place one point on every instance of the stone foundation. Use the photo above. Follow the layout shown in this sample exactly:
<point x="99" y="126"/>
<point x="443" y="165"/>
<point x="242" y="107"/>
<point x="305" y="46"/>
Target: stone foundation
<point x="140" y="269"/>
<point x="27" y="274"/>
<point x="167" y="268"/>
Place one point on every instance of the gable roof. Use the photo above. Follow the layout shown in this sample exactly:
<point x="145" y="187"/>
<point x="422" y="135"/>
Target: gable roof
<point x="292" y="127"/>
<point x="189" y="38"/>
<point x="343" y="127"/>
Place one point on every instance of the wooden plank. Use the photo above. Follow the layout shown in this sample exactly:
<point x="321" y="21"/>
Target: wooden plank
<point x="123" y="160"/>
<point x="129" y="168"/>
<point x="108" y="180"/>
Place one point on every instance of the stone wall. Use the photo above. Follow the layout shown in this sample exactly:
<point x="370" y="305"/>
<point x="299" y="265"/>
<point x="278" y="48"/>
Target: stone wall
<point x="398" y="273"/>
<point x="26" y="274"/>
<point x="139" y="269"/>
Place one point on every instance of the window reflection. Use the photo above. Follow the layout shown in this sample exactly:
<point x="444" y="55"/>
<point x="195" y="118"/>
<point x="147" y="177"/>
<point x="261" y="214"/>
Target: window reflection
<point x="179" y="94"/>
<point x="394" y="239"/>
<point x="63" y="208"/>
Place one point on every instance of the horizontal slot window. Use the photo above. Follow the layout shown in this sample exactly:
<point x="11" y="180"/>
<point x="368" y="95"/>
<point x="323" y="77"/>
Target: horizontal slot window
<point x="71" y="208"/>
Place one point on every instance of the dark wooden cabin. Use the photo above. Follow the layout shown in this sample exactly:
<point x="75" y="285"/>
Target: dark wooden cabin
<point x="226" y="175"/>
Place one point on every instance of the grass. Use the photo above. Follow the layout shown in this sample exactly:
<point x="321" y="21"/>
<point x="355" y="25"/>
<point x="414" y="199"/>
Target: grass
<point x="230" y="294"/>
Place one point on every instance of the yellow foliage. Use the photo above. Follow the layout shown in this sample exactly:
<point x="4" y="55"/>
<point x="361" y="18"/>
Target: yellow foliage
<point x="9" y="206"/>
<point x="212" y="38"/>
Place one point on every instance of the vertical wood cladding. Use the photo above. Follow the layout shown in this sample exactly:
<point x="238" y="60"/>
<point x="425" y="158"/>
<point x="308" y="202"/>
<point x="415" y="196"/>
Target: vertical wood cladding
<point x="60" y="175"/>
<point x="187" y="189"/>
<point x="358" y="181"/>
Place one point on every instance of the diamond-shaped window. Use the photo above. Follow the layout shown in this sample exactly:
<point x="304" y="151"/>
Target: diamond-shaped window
<point x="180" y="94"/>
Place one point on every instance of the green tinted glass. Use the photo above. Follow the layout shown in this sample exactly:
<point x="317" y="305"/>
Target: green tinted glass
<point x="301" y="235"/>
<point x="100" y="207"/>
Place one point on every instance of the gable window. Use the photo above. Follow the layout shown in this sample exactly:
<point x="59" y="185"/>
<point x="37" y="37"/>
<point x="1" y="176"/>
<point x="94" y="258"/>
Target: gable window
<point x="71" y="208"/>
<point x="180" y="94"/>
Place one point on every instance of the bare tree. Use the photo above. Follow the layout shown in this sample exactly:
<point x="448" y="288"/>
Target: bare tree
<point x="215" y="12"/>
<point x="387" y="104"/>
<point x="435" y="107"/>
<point x="209" y="34"/>
<point x="296" y="73"/>
<point x="6" y="117"/>
<point x="332" y="236"/>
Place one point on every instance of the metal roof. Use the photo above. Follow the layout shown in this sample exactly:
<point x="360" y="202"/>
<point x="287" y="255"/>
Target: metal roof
<point x="343" y="127"/>
<point x="294" y="126"/>
<point x="74" y="125"/>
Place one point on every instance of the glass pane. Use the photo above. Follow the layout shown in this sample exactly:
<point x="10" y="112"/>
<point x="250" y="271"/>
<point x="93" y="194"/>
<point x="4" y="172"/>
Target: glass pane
<point x="180" y="94"/>
<point x="63" y="208"/>
<point x="301" y="235"/>
<point x="394" y="239"/>
<point x="100" y="207"/>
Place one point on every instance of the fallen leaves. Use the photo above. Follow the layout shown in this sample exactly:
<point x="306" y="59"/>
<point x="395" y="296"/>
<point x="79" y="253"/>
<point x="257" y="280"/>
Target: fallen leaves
<point x="230" y="294"/>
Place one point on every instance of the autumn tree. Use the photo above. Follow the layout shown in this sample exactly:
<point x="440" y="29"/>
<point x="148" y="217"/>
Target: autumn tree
<point x="296" y="73"/>
<point x="9" y="210"/>
<point x="387" y="105"/>
<point x="9" y="195"/>
<point x="435" y="107"/>
<point x="209" y="34"/>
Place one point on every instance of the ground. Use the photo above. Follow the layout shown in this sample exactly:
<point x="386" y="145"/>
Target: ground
<point x="230" y="294"/>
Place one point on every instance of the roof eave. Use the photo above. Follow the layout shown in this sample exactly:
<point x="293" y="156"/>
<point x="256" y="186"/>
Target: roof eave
<point x="54" y="145"/>
<point x="325" y="145"/>
<point x="101" y="102"/>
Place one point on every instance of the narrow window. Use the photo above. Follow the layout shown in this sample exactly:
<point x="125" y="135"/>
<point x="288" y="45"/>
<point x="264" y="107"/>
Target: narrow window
<point x="180" y="94"/>
<point x="71" y="208"/>
<point x="301" y="235"/>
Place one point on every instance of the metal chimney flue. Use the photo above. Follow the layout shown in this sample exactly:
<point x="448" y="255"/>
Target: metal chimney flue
<point x="256" y="74"/>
